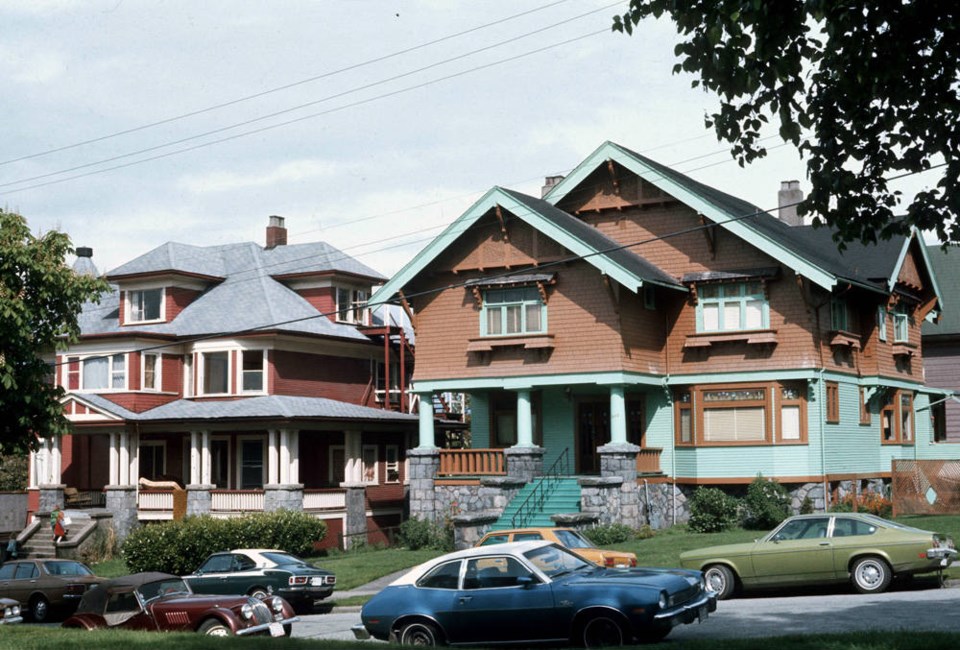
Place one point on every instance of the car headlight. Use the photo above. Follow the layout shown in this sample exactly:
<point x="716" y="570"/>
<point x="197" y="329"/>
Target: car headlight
<point x="664" y="600"/>
<point x="276" y="604"/>
<point x="246" y="611"/>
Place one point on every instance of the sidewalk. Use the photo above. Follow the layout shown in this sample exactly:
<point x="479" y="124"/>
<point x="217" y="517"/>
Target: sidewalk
<point x="368" y="589"/>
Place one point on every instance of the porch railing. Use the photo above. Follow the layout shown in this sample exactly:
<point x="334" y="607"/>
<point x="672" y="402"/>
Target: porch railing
<point x="324" y="499"/>
<point x="648" y="460"/>
<point x="541" y="490"/>
<point x="155" y="500"/>
<point x="472" y="462"/>
<point x="236" y="500"/>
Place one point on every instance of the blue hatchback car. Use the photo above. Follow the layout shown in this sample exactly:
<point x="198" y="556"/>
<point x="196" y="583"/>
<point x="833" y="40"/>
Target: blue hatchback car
<point x="532" y="592"/>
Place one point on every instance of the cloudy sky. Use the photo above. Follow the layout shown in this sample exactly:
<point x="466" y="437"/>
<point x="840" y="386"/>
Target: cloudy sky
<point x="367" y="124"/>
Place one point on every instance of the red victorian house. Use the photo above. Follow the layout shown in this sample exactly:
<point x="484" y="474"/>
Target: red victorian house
<point x="230" y="379"/>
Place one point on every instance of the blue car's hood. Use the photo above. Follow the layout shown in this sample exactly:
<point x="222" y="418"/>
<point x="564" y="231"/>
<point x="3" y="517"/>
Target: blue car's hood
<point x="669" y="579"/>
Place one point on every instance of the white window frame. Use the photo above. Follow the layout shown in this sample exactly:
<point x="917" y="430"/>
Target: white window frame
<point x="391" y="451"/>
<point x="352" y="305"/>
<point x="112" y="372"/>
<point x="189" y="387"/>
<point x="901" y="324"/>
<point x="201" y="388"/>
<point x="243" y="372"/>
<point x="370" y="472"/>
<point x="522" y="302"/>
<point x="135" y="314"/>
<point x="739" y="296"/>
<point x="157" y="371"/>
<point x="882" y="323"/>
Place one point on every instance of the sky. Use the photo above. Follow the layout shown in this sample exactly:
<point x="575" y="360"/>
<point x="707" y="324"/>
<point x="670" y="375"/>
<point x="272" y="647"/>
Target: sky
<point x="368" y="124"/>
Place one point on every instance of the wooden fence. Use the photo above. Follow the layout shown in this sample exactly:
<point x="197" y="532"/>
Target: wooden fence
<point x="925" y="487"/>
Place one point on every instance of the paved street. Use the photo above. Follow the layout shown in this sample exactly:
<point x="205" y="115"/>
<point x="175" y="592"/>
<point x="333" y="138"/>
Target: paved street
<point x="917" y="609"/>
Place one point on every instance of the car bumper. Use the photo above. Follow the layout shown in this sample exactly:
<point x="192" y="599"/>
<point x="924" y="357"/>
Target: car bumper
<point x="694" y="610"/>
<point x="271" y="627"/>
<point x="306" y="593"/>
<point x="360" y="632"/>
<point x="945" y="556"/>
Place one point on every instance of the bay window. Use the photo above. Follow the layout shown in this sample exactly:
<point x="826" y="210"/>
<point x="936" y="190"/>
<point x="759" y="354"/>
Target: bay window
<point x="107" y="372"/>
<point x="215" y="370"/>
<point x="151" y="371"/>
<point x="252" y="371"/>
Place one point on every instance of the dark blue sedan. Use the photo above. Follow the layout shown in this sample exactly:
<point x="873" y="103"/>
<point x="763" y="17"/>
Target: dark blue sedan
<point x="532" y="592"/>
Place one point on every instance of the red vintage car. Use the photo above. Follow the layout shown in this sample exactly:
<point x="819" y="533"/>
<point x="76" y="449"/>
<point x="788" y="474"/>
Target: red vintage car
<point x="164" y="602"/>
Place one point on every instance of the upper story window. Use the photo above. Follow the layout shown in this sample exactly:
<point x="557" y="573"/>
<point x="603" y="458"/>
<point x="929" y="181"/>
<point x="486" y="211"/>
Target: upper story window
<point x="732" y="307"/>
<point x="144" y="305"/>
<point x="97" y="373"/>
<point x="839" y="319"/>
<point x="882" y="323"/>
<point x="215" y="372"/>
<point x="253" y="370"/>
<point x="150" y="371"/>
<point x="519" y="310"/>
<point x="901" y="324"/>
<point x="352" y="306"/>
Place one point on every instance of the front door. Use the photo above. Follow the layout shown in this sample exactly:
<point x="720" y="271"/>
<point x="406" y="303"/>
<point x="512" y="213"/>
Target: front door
<point x="593" y="430"/>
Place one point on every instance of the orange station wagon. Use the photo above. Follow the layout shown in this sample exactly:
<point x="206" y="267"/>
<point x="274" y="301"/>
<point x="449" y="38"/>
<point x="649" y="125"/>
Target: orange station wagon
<point x="569" y="537"/>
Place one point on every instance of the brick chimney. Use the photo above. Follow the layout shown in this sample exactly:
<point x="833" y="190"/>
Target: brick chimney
<point x="548" y="184"/>
<point x="788" y="197"/>
<point x="276" y="233"/>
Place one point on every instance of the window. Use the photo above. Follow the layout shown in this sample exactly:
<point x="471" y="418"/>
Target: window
<point x="809" y="528"/>
<point x="901" y="324"/>
<point x="152" y="457"/>
<point x="938" y="419"/>
<point x="251" y="463"/>
<point x="833" y="402"/>
<point x="392" y="464"/>
<point x="897" y="418"/>
<point x="503" y="416"/>
<point x="882" y="323"/>
<point x="744" y="414"/>
<point x="649" y="297"/>
<point x="369" y="458"/>
<point x="843" y="527"/>
<point x="838" y="315"/>
<point x="732" y="307"/>
<point x="97" y="373"/>
<point x="513" y="311"/>
<point x="145" y="305"/>
<point x="216" y="372"/>
<point x="445" y="576"/>
<point x="252" y="364"/>
<point x="864" y="406"/>
<point x="151" y="371"/>
<point x="338" y="464"/>
<point x="494" y="573"/>
<point x="352" y="306"/>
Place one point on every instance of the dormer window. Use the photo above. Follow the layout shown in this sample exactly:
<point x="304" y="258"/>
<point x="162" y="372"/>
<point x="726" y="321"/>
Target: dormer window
<point x="507" y="312"/>
<point x="352" y="306"/>
<point x="901" y="324"/>
<point x="732" y="307"/>
<point x="144" y="305"/>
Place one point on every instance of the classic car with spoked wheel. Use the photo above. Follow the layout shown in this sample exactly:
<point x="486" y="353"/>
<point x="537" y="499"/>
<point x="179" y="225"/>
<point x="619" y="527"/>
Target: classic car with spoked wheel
<point x="11" y="611"/>
<point x="261" y="573"/>
<point x="532" y="592"/>
<point x="161" y="602"/>
<point x="46" y="587"/>
<point x="822" y="549"/>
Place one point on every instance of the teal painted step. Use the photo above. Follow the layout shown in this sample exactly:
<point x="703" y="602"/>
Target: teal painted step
<point x="564" y="497"/>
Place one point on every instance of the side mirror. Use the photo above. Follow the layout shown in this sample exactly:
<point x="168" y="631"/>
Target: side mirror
<point x="525" y="581"/>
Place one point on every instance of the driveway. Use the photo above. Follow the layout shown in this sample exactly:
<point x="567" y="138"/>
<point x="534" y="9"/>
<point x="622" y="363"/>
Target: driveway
<point x="760" y="616"/>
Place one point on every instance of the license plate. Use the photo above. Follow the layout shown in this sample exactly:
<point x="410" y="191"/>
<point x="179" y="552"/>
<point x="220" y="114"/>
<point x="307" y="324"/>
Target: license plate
<point x="316" y="582"/>
<point x="276" y="629"/>
<point x="702" y="613"/>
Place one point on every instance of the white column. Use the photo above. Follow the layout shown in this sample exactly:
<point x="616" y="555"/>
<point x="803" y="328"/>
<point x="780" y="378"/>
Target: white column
<point x="205" y="457"/>
<point x="195" y="457"/>
<point x="426" y="422"/>
<point x="56" y="461"/>
<point x="524" y="420"/>
<point x="294" y="456"/>
<point x="618" y="416"/>
<point x="124" y="477"/>
<point x="133" y="471"/>
<point x="114" y="459"/>
<point x="34" y="478"/>
<point x="274" y="471"/>
<point x="353" y="472"/>
<point x="284" y="456"/>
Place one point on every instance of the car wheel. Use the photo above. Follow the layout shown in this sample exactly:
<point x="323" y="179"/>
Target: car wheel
<point x="39" y="609"/>
<point x="871" y="575"/>
<point x="601" y="632"/>
<point x="213" y="627"/>
<point x="421" y="634"/>
<point x="259" y="593"/>
<point x="721" y="580"/>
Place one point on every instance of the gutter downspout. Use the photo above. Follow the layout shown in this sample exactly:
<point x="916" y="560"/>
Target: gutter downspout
<point x="822" y="398"/>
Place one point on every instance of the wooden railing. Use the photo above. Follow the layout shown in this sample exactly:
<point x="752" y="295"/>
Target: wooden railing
<point x="472" y="462"/>
<point x="648" y="460"/>
<point x="335" y="499"/>
<point x="155" y="500"/>
<point x="236" y="500"/>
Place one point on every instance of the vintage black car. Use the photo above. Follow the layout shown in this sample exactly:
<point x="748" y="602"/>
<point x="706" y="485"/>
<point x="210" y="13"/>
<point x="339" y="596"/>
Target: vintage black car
<point x="161" y="602"/>
<point x="261" y="573"/>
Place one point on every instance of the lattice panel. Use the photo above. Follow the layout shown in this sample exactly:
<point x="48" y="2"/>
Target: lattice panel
<point x="926" y="487"/>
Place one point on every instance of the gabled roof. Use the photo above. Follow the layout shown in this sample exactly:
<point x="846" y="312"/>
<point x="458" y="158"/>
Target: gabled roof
<point x="809" y="251"/>
<point x="609" y="257"/>
<point x="945" y="265"/>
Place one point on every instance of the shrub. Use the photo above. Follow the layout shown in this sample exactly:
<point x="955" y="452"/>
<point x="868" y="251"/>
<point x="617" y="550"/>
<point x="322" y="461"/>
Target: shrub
<point x="609" y="534"/>
<point x="767" y="504"/>
<point x="712" y="510"/>
<point x="806" y="507"/>
<point x="870" y="502"/>
<point x="180" y="546"/>
<point x="417" y="534"/>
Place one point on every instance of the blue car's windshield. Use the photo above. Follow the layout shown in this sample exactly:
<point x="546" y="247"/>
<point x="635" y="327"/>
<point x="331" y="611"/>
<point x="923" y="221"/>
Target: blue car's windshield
<point x="555" y="561"/>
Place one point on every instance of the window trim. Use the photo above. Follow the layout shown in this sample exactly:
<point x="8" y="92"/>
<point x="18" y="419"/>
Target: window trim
<point x="893" y="405"/>
<point x="201" y="384"/>
<point x="742" y="299"/>
<point x="524" y="303"/>
<point x="356" y="312"/>
<point x="901" y="324"/>
<point x="391" y="465"/>
<point x="800" y="402"/>
<point x="882" y="323"/>
<point x="76" y="370"/>
<point x="157" y="372"/>
<point x="241" y="383"/>
<point x="865" y="415"/>
<point x="832" y="402"/>
<point x="129" y="312"/>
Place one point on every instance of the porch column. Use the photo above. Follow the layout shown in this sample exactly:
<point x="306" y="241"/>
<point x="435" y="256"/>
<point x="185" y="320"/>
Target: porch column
<point x="205" y="457"/>
<point x="284" y="456"/>
<point x="274" y="471"/>
<point x="133" y="454"/>
<point x="524" y="420"/>
<point x="194" y="457"/>
<point x="293" y="437"/>
<point x="352" y="452"/>
<point x="123" y="477"/>
<point x="114" y="478"/>
<point x="618" y="416"/>
<point x="427" y="439"/>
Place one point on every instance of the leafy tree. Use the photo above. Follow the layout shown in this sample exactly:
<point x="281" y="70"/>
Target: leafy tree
<point x="866" y="90"/>
<point x="40" y="299"/>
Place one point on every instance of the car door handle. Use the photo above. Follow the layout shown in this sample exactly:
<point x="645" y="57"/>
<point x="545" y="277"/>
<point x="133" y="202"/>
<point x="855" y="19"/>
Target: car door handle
<point x="824" y="543"/>
<point x="465" y="599"/>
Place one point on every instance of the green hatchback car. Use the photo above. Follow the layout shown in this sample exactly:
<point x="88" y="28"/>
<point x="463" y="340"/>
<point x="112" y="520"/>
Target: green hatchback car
<point x="822" y="549"/>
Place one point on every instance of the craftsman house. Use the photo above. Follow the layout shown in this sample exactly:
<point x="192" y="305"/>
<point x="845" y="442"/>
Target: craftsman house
<point x="230" y="379"/>
<point x="941" y="345"/>
<point x="640" y="334"/>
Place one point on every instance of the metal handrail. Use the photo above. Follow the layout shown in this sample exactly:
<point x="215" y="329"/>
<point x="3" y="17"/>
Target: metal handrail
<point x="544" y="487"/>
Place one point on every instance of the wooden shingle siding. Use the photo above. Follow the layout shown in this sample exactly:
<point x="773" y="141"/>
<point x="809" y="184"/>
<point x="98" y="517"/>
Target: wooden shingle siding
<point x="940" y="360"/>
